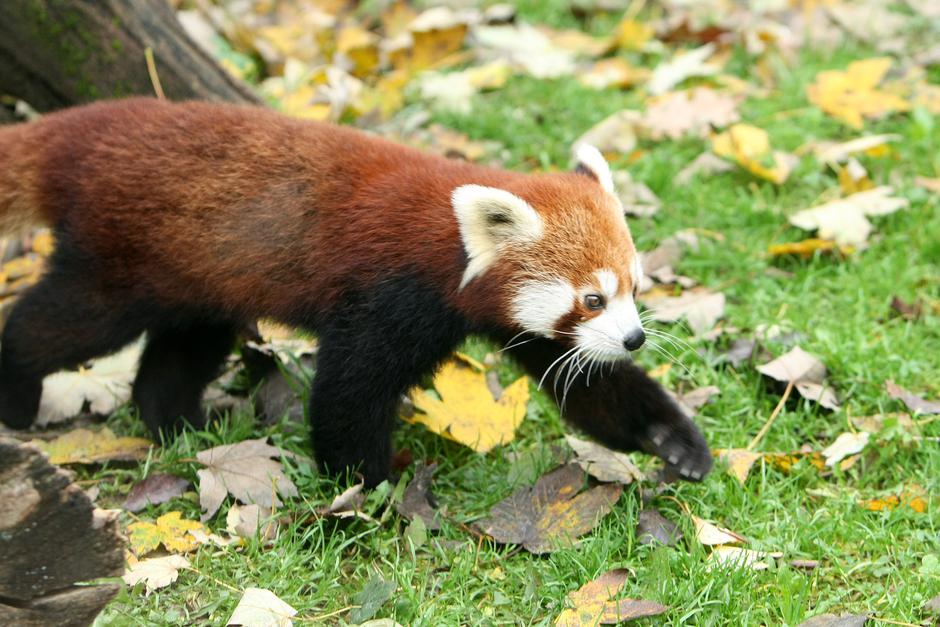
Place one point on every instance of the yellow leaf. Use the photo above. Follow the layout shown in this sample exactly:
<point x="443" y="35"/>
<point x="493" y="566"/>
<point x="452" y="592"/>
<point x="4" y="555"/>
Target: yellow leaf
<point x="361" y="47"/>
<point x="852" y="95"/>
<point x="437" y="33"/>
<point x="739" y="462"/>
<point x="171" y="530"/>
<point x="913" y="497"/>
<point x="660" y="371"/>
<point x="44" y="243"/>
<point x="83" y="446"/>
<point x="613" y="72"/>
<point x="467" y="412"/>
<point x="632" y="35"/>
<point x="809" y="247"/>
<point x="749" y="147"/>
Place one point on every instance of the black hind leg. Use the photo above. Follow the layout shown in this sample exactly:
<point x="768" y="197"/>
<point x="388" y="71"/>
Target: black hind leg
<point x="60" y="323"/>
<point x="175" y="368"/>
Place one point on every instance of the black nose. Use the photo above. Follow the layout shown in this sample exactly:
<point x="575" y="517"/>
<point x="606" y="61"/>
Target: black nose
<point x="634" y="340"/>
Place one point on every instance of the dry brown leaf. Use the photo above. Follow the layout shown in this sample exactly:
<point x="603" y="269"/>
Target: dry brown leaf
<point x="246" y="471"/>
<point x="636" y="198"/>
<point x="868" y="20"/>
<point x="418" y="501"/>
<point x="157" y="488"/>
<point x="347" y="504"/>
<point x="844" y="220"/>
<point x="594" y="603"/>
<point x="261" y="608"/>
<point x="83" y="446"/>
<point x="705" y="163"/>
<point x="695" y="112"/>
<point x="832" y="620"/>
<point x="602" y="463"/>
<point x="245" y="521"/>
<point x="699" y="306"/>
<point x="710" y="534"/>
<point x="913" y="402"/>
<point x="654" y="527"/>
<point x="551" y="513"/>
<point x="693" y="400"/>
<point x="467" y="412"/>
<point x="156" y="572"/>
<point x="931" y="185"/>
<point x="795" y="365"/>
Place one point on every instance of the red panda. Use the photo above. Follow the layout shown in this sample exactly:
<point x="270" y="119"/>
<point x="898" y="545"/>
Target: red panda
<point x="191" y="220"/>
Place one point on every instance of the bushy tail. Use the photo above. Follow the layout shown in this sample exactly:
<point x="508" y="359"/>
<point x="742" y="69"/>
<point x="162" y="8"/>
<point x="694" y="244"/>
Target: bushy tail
<point x="19" y="205"/>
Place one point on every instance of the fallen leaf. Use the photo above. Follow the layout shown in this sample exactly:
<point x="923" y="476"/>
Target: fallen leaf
<point x="636" y="198"/>
<point x="795" y="365"/>
<point x="418" y="501"/>
<point x="913" y="402"/>
<point x="740" y="462"/>
<point x="632" y="34"/>
<point x="853" y="95"/>
<point x="737" y="557"/>
<point x="710" y="534"/>
<point x="832" y="620"/>
<point x="602" y="463"/>
<point x="347" y="504"/>
<point x="246" y="471"/>
<point x="818" y="393"/>
<point x="654" y="527"/>
<point x="615" y="133"/>
<point x="614" y="72"/>
<point x="467" y="412"/>
<point x="694" y="113"/>
<point x="877" y="423"/>
<point x="809" y="248"/>
<point x="552" y="512"/>
<point x="932" y="185"/>
<point x="171" y="530"/>
<point x="741" y="351"/>
<point x="454" y="91"/>
<point x="699" y="306"/>
<point x="82" y="446"/>
<point x="245" y="521"/>
<point x="104" y="386"/>
<point x="436" y="33"/>
<point x="693" y="400"/>
<point x="913" y="497"/>
<point x="838" y="152"/>
<point x="594" y="603"/>
<point x="526" y="48"/>
<point x="681" y="66"/>
<point x="375" y="593"/>
<point x="261" y="608"/>
<point x="804" y="564"/>
<point x="844" y="445"/>
<point x="157" y="488"/>
<point x="933" y="605"/>
<point x="749" y="147"/>
<point x="844" y="219"/>
<point x="908" y="311"/>
<point x="870" y="21"/>
<point x="156" y="572"/>
<point x="705" y="163"/>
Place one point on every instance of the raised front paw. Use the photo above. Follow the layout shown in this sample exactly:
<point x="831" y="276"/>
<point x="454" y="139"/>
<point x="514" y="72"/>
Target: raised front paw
<point x="682" y="446"/>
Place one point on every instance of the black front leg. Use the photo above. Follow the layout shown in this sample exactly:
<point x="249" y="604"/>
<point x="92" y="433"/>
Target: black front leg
<point x="623" y="409"/>
<point x="380" y="345"/>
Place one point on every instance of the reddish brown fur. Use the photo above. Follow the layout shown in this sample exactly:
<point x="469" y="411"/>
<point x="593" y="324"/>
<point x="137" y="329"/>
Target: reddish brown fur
<point x="248" y="211"/>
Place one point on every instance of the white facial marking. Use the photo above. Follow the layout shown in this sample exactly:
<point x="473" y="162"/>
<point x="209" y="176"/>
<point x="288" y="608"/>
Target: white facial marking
<point x="636" y="271"/>
<point x="539" y="304"/>
<point x="592" y="159"/>
<point x="602" y="337"/>
<point x="490" y="218"/>
<point x="609" y="282"/>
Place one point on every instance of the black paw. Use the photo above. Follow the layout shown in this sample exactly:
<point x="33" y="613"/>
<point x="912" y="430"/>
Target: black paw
<point x="683" y="448"/>
<point x="19" y="403"/>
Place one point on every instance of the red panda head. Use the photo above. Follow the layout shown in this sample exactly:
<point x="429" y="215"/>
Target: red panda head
<point x="561" y="248"/>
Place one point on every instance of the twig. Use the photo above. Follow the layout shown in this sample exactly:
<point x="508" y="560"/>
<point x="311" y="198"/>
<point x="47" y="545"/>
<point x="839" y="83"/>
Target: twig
<point x="773" y="416"/>
<point x="152" y="70"/>
<point x="893" y="622"/>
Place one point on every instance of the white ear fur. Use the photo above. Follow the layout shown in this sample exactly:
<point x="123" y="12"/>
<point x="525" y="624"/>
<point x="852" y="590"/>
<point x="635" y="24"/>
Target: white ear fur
<point x="489" y="218"/>
<point x="591" y="159"/>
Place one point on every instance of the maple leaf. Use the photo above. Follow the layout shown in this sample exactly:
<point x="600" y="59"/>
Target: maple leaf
<point x="602" y="463"/>
<point x="695" y="112"/>
<point x="156" y="572"/>
<point x="594" y="603"/>
<point x="155" y="489"/>
<point x="852" y="95"/>
<point x="171" y="530"/>
<point x="467" y="412"/>
<point x="552" y="512"/>
<point x="246" y="471"/>
<point x="105" y="385"/>
<point x="749" y="147"/>
<point x="83" y="446"/>
<point x="740" y="461"/>
<point x="261" y="608"/>
<point x="844" y="220"/>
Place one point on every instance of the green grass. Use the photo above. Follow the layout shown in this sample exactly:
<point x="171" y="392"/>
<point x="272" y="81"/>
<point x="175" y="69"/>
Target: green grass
<point x="871" y="562"/>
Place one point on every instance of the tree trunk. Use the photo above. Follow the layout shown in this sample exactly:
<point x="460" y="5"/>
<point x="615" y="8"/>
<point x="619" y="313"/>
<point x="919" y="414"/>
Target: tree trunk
<point x="56" y="53"/>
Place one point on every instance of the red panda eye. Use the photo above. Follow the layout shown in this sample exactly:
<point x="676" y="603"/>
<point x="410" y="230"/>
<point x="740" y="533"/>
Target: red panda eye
<point x="594" y="302"/>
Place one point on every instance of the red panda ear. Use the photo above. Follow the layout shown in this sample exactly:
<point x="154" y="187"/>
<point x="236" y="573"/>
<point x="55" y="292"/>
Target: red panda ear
<point x="490" y="218"/>
<point x="591" y="162"/>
